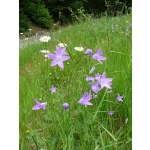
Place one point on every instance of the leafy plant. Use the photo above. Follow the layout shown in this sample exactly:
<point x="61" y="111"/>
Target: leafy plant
<point x="80" y="15"/>
<point x="40" y="15"/>
<point x="24" y="22"/>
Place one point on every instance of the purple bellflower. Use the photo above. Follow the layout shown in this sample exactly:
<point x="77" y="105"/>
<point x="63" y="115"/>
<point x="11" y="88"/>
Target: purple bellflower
<point x="89" y="52"/>
<point x="119" y="98"/>
<point x="58" y="57"/>
<point x="94" y="87"/>
<point x="111" y="113"/>
<point x="53" y="89"/>
<point x="86" y="97"/>
<point x="105" y="82"/>
<point x="93" y="68"/>
<point x="98" y="56"/>
<point x="88" y="78"/>
<point x="97" y="77"/>
<point x="65" y="106"/>
<point x="39" y="105"/>
<point x="63" y="51"/>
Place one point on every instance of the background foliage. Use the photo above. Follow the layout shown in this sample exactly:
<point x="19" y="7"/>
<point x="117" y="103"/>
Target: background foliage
<point x="44" y="12"/>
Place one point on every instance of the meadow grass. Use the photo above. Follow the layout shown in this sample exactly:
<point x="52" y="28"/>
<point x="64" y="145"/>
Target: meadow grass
<point x="79" y="128"/>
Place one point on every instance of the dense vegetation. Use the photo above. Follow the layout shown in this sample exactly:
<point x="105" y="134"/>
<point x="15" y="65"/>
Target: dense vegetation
<point x="44" y="12"/>
<point x="107" y="124"/>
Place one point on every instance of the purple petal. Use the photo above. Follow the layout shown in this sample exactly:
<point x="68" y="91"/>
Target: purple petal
<point x="54" y="62"/>
<point x="104" y="75"/>
<point x="36" y="107"/>
<point x="61" y="64"/>
<point x="37" y="102"/>
<point x="89" y="78"/>
<point x="88" y="103"/>
<point x="95" y="56"/>
<point x="89" y="52"/>
<point x="99" y="52"/>
<point x="110" y="112"/>
<point x="107" y="86"/>
<point x="63" y="49"/>
<point x="109" y="80"/>
<point x="64" y="58"/>
<point x="101" y="58"/>
<point x="93" y="68"/>
<point x="65" y="106"/>
<point x="52" y="56"/>
<point x="58" y="52"/>
<point x="43" y="105"/>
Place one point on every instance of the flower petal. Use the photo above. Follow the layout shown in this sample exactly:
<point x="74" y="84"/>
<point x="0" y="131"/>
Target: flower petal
<point x="54" y="62"/>
<point x="64" y="58"/>
<point x="61" y="64"/>
<point x="37" y="102"/>
<point x="36" y="107"/>
<point x="52" y="56"/>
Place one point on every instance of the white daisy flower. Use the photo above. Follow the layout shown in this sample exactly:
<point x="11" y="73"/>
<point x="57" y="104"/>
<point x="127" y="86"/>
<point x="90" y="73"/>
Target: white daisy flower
<point x="79" y="48"/>
<point x="45" y="51"/>
<point x="45" y="38"/>
<point x="62" y="45"/>
<point x="46" y="56"/>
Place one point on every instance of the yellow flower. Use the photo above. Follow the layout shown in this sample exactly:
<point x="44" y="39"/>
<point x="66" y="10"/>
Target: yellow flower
<point x="27" y="131"/>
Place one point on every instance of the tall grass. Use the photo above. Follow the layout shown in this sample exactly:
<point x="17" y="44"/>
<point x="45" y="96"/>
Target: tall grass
<point x="79" y="128"/>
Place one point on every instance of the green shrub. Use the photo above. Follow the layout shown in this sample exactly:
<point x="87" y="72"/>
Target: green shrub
<point x="39" y="15"/>
<point x="24" y="22"/>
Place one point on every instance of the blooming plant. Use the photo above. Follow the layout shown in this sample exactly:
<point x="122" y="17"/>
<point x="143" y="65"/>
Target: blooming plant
<point x="61" y="45"/>
<point x="45" y="38"/>
<point x="53" y="89"/>
<point x="65" y="106"/>
<point x="95" y="88"/>
<point x="119" y="98"/>
<point x="79" y="48"/>
<point x="93" y="68"/>
<point x="111" y="113"/>
<point x="58" y="57"/>
<point x="98" y="56"/>
<point x="45" y="51"/>
<point x="95" y="83"/>
<point x="39" y="105"/>
<point x="105" y="82"/>
<point x="86" y="97"/>
<point x="89" y="52"/>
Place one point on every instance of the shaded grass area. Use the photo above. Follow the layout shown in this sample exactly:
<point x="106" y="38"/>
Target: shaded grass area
<point x="79" y="128"/>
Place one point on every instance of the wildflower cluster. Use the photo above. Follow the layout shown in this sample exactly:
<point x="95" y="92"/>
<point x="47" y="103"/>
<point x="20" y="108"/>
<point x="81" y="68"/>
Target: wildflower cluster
<point x="96" y="83"/>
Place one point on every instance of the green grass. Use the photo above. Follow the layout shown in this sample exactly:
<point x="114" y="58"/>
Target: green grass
<point x="80" y="128"/>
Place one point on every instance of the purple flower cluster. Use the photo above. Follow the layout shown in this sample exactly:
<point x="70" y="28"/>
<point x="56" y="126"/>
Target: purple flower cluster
<point x="97" y="82"/>
<point x="96" y="56"/>
<point x="101" y="81"/>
